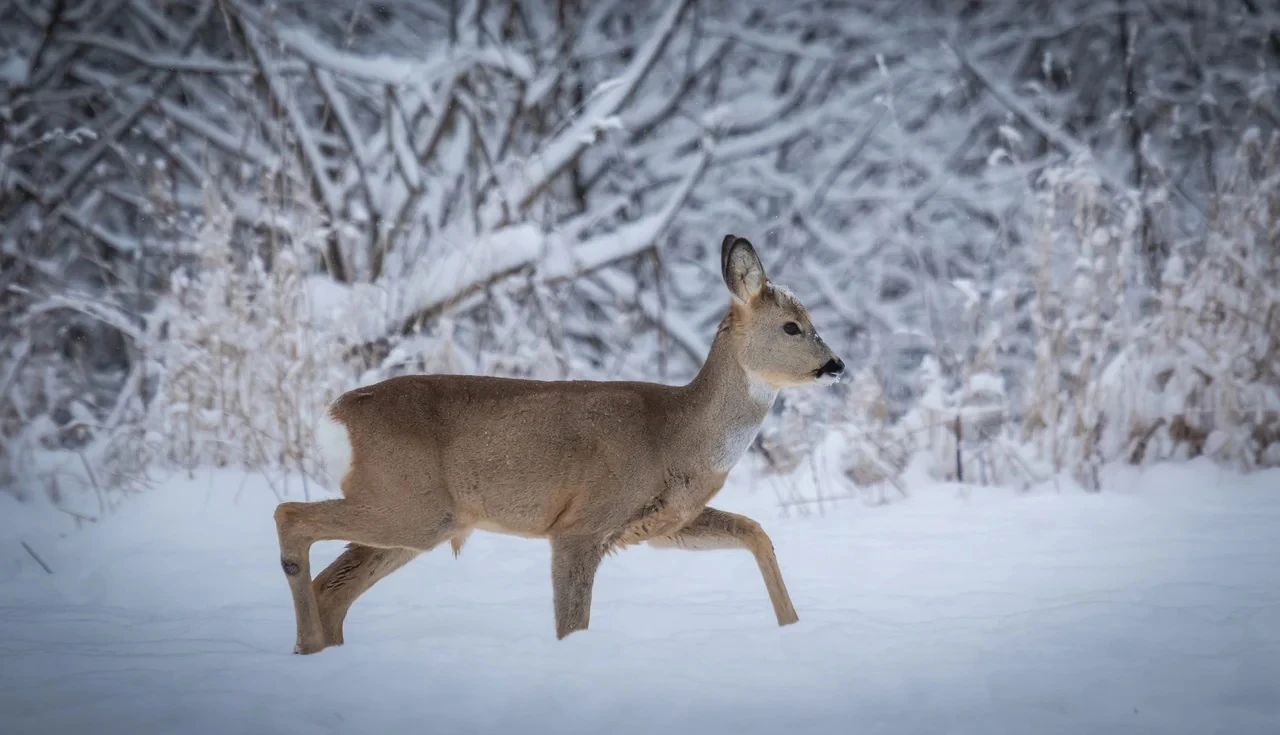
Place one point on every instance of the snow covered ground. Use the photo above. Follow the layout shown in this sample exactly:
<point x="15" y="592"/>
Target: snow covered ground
<point x="1153" y="607"/>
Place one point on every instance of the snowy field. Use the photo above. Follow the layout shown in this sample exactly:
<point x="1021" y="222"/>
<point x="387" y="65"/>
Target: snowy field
<point x="1153" y="607"/>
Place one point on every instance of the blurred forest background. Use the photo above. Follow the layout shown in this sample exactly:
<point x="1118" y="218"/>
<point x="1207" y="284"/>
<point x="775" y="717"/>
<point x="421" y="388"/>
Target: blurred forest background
<point x="1045" y="235"/>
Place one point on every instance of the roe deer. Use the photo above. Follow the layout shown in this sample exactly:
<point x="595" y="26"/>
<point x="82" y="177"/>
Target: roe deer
<point x="593" y="466"/>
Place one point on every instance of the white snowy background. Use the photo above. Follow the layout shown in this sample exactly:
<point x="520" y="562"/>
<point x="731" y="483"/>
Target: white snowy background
<point x="1044" y="235"/>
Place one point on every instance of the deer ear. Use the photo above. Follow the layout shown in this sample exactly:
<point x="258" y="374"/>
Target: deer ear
<point x="743" y="273"/>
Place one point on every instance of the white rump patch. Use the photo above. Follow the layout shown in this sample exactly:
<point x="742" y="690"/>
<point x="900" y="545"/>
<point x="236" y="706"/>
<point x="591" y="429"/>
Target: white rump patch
<point x="334" y="442"/>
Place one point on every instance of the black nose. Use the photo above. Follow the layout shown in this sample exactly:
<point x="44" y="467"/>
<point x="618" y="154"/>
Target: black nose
<point x="834" y="366"/>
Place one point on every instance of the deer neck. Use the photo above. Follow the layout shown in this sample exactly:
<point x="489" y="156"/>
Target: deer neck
<point x="726" y="407"/>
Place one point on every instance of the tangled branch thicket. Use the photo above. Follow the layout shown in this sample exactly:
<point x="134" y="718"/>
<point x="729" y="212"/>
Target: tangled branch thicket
<point x="1044" y="230"/>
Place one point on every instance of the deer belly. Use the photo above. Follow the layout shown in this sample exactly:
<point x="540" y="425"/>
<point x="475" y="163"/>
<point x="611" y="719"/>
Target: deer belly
<point x="643" y="529"/>
<point x="506" y="530"/>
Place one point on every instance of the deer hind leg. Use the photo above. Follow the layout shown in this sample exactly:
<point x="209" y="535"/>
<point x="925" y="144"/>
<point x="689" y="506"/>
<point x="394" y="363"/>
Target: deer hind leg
<point x="574" y="561"/>
<point x="300" y="525"/>
<point x="717" y="529"/>
<point x="357" y="569"/>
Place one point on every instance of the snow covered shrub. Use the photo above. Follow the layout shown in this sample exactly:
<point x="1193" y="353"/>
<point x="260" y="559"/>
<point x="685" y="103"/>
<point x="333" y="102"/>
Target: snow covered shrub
<point x="869" y="451"/>
<point x="876" y="452"/>
<point x="65" y="423"/>
<point x="1123" y="371"/>
<point x="248" y="364"/>
<point x="791" y="436"/>
<point x="958" y="427"/>
<point x="964" y="434"/>
<point x="505" y="343"/>
<point x="1202" y="377"/>
<point x="1080" y="315"/>
<point x="1196" y="374"/>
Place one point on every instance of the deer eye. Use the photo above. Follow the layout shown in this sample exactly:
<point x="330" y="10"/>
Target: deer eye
<point x="791" y="328"/>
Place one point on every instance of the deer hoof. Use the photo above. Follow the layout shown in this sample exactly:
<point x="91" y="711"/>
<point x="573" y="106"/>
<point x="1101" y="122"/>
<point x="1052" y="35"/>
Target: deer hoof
<point x="308" y="648"/>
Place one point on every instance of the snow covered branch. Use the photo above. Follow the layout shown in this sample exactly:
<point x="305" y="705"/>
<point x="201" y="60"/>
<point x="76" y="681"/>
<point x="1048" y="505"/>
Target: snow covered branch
<point x="534" y="188"/>
<point x="604" y="103"/>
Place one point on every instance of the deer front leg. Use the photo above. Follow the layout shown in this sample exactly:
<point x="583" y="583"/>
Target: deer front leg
<point x="574" y="560"/>
<point x="717" y="529"/>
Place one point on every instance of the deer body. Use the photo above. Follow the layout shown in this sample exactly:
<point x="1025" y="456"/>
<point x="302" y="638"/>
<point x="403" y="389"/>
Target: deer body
<point x="593" y="466"/>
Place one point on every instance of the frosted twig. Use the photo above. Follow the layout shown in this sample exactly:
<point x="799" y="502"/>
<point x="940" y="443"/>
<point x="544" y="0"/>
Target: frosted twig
<point x="1059" y="138"/>
<point x="36" y="556"/>
<point x="57" y="196"/>
<point x="565" y="148"/>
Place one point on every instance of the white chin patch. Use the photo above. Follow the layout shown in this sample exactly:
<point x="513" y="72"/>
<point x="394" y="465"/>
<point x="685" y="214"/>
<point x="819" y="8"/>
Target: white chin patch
<point x="828" y="379"/>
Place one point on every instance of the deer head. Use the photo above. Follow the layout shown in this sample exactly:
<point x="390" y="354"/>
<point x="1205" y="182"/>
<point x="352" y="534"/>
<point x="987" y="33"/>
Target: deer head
<point x="777" y="342"/>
